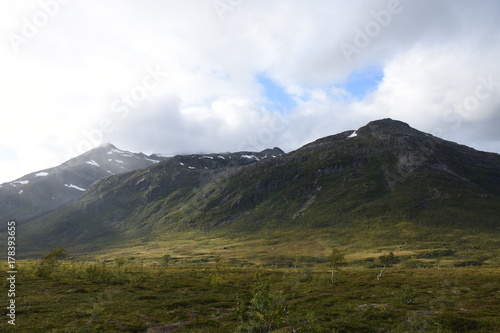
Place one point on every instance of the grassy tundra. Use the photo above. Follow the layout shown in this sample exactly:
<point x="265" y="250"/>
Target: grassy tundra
<point x="259" y="285"/>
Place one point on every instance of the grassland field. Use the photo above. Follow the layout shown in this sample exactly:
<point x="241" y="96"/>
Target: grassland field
<point x="271" y="282"/>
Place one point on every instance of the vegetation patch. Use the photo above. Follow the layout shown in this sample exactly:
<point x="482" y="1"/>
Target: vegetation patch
<point x="167" y="293"/>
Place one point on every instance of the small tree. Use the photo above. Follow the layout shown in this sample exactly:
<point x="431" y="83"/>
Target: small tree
<point x="218" y="261"/>
<point x="335" y="258"/>
<point x="52" y="258"/>
<point x="266" y="312"/>
<point x="165" y="260"/>
<point x="387" y="260"/>
<point x="55" y="254"/>
<point x="298" y="260"/>
<point x="50" y="262"/>
<point x="120" y="262"/>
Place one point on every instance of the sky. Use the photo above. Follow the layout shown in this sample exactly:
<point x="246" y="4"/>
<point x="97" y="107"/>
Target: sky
<point x="194" y="76"/>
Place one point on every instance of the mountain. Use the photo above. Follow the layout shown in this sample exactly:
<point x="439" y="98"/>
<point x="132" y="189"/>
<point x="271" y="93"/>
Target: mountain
<point x="385" y="179"/>
<point x="49" y="189"/>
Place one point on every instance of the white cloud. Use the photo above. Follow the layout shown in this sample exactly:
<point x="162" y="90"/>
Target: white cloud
<point x="60" y="88"/>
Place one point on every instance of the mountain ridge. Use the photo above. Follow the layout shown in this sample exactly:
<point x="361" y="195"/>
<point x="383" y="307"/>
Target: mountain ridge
<point x="382" y="174"/>
<point x="41" y="191"/>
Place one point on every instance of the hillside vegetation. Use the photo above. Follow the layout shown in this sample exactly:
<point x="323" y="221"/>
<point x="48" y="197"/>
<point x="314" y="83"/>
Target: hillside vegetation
<point x="385" y="184"/>
<point x="383" y="229"/>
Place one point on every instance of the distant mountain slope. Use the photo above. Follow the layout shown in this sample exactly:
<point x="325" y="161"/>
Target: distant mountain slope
<point x="139" y="196"/>
<point x="384" y="171"/>
<point x="384" y="174"/>
<point x="46" y="190"/>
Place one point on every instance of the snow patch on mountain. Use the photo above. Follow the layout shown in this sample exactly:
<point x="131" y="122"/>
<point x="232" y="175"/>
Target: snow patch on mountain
<point x="251" y="157"/>
<point x="75" y="187"/>
<point x="112" y="151"/>
<point x="48" y="189"/>
<point x="94" y="163"/>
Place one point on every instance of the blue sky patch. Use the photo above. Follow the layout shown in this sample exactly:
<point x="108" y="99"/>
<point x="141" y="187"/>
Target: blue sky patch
<point x="276" y="95"/>
<point x="362" y="82"/>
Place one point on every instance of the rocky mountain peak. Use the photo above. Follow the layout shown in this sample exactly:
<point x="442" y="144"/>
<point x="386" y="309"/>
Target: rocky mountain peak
<point x="384" y="170"/>
<point x="273" y="152"/>
<point x="387" y="127"/>
<point x="45" y="190"/>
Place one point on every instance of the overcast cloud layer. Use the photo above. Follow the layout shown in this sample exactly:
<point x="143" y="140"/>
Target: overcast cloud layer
<point x="211" y="76"/>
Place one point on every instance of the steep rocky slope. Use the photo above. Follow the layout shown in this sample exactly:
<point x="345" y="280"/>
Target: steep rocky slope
<point x="384" y="174"/>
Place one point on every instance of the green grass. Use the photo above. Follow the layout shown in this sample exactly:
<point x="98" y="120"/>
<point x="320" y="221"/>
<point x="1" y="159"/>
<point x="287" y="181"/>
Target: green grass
<point x="216" y="282"/>
<point x="249" y="246"/>
<point x="223" y="299"/>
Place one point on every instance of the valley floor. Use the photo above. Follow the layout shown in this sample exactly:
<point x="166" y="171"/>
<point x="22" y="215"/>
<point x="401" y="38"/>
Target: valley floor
<point x="129" y="296"/>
